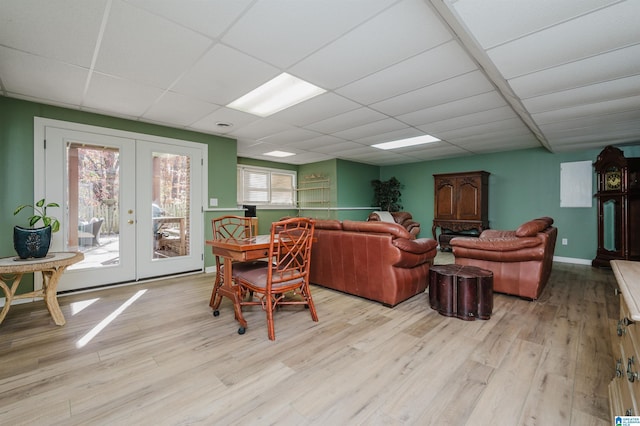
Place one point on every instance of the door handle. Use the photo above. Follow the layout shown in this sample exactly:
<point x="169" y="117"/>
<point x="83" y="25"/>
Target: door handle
<point x="130" y="221"/>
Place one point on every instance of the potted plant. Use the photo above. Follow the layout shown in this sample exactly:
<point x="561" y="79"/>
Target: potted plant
<point x="35" y="242"/>
<point x="387" y="194"/>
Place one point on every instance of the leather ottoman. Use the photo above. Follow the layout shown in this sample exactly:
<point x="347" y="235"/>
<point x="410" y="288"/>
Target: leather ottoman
<point x="460" y="291"/>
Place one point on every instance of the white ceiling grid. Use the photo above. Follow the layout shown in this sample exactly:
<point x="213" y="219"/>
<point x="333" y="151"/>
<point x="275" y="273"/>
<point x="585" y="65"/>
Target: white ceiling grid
<point x="483" y="76"/>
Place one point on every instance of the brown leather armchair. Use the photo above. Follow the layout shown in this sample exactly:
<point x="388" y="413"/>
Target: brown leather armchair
<point x="520" y="260"/>
<point x="402" y="218"/>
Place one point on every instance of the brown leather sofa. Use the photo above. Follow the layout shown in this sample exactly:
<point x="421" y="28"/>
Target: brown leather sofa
<point x="520" y="260"/>
<point x="402" y="218"/>
<point x="380" y="261"/>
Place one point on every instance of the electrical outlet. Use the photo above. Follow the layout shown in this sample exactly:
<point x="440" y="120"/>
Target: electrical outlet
<point x="565" y="241"/>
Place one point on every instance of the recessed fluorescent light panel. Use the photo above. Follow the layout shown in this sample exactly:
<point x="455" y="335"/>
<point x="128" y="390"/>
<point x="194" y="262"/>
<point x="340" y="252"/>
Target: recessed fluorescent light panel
<point x="418" y="140"/>
<point x="279" y="154"/>
<point x="275" y="95"/>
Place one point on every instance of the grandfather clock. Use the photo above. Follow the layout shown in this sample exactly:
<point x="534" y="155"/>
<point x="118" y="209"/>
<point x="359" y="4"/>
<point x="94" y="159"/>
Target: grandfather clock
<point x="618" y="203"/>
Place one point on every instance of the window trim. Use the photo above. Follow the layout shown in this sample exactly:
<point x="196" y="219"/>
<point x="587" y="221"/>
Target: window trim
<point x="241" y="169"/>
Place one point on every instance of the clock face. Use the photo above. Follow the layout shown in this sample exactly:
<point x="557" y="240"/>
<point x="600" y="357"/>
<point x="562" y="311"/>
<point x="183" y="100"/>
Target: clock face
<point x="612" y="180"/>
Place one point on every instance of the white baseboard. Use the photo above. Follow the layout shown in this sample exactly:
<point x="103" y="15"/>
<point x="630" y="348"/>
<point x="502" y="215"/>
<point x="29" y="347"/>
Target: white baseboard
<point x="573" y="260"/>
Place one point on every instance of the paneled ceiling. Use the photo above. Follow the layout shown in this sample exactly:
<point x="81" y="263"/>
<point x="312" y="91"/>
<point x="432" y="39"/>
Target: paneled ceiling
<point x="483" y="76"/>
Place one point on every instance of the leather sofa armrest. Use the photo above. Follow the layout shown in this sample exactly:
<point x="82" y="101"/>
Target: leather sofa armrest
<point x="411" y="252"/>
<point x="418" y="246"/>
<point x="397" y="231"/>
<point x="496" y="233"/>
<point x="496" y="244"/>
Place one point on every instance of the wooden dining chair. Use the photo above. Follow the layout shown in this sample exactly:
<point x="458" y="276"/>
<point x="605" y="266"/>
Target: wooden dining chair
<point x="223" y="227"/>
<point x="286" y="280"/>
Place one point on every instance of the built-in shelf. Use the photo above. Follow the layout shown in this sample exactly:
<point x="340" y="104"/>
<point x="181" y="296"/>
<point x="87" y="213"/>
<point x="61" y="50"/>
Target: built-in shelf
<point x="314" y="192"/>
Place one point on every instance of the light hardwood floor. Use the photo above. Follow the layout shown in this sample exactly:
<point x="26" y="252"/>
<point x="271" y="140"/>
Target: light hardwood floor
<point x="165" y="360"/>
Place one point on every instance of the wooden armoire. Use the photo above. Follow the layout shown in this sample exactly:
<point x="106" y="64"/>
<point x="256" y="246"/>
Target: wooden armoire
<point x="461" y="202"/>
<point x="618" y="204"/>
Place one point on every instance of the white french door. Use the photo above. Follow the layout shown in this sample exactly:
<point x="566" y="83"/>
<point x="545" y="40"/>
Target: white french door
<point x="132" y="206"/>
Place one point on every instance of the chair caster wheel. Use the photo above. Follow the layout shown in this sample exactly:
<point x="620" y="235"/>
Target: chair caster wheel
<point x="216" y="313"/>
<point x="241" y="330"/>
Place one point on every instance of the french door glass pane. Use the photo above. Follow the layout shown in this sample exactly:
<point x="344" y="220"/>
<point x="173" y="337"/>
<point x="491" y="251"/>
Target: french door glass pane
<point x="93" y="193"/>
<point x="171" y="191"/>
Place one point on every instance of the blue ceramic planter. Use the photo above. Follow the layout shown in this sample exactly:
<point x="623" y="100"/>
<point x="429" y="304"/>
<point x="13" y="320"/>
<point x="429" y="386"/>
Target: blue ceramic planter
<point x="30" y="242"/>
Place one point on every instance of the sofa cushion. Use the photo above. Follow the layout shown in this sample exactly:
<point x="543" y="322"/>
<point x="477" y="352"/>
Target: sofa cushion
<point x="531" y="228"/>
<point x="378" y="227"/>
<point x="495" y="244"/>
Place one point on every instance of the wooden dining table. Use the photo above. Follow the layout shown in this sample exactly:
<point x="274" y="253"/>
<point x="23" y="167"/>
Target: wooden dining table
<point x="242" y="250"/>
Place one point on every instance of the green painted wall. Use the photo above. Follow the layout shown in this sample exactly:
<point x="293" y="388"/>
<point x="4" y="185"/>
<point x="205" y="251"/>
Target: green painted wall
<point x="354" y="189"/>
<point x="523" y="185"/>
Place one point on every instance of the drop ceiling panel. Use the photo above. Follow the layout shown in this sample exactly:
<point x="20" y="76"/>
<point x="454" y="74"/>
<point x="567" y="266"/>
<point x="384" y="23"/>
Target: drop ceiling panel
<point x="210" y="81"/>
<point x="610" y="129"/>
<point x="497" y="144"/>
<point x="439" y="150"/>
<point x="620" y="105"/>
<point x="384" y="158"/>
<point x="375" y="45"/>
<point x="119" y="96"/>
<point x="211" y="17"/>
<point x="337" y="147"/>
<point x="304" y="158"/>
<point x="488" y="116"/>
<point x="64" y="30"/>
<point x="610" y="90"/>
<point x="290" y="136"/>
<point x="347" y="120"/>
<point x="593" y="123"/>
<point x="588" y="35"/>
<point x="314" y="144"/>
<point x="259" y="129"/>
<point x="236" y="119"/>
<point x="366" y="130"/>
<point x="403" y="133"/>
<point x="473" y="131"/>
<point x="291" y="30"/>
<point x="495" y="22"/>
<point x="608" y="66"/>
<point x="41" y="78"/>
<point x="452" y="89"/>
<point x="619" y="137"/>
<point x="178" y="110"/>
<point x="457" y="108"/>
<point x="147" y="48"/>
<point x="315" y="109"/>
<point x="248" y="147"/>
<point x="430" y="67"/>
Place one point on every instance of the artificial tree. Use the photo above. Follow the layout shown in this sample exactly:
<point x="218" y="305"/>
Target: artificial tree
<point x="387" y="194"/>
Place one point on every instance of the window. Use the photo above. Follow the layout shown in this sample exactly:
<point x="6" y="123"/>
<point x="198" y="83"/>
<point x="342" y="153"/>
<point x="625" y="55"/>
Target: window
<point x="266" y="187"/>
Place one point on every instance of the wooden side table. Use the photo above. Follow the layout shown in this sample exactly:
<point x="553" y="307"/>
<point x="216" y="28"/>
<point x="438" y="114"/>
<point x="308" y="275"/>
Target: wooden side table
<point x="13" y="268"/>
<point x="465" y="292"/>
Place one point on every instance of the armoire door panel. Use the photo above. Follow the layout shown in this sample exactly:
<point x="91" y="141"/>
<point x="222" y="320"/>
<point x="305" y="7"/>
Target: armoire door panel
<point x="468" y="201"/>
<point x="445" y="201"/>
